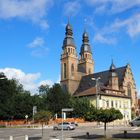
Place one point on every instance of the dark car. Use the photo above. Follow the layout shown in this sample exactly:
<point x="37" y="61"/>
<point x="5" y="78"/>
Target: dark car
<point x="135" y="122"/>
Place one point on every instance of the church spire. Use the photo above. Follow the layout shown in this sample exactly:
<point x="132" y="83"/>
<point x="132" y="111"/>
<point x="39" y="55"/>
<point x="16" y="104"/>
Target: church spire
<point x="85" y="45"/>
<point x="68" y="40"/>
<point x="112" y="67"/>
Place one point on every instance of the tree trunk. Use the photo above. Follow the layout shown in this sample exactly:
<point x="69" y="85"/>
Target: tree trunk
<point x="42" y="130"/>
<point x="105" y="129"/>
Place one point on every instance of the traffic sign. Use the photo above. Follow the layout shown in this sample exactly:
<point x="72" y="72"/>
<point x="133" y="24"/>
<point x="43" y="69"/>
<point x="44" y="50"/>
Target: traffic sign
<point x="67" y="109"/>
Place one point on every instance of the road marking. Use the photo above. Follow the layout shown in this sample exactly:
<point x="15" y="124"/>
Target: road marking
<point x="18" y="136"/>
<point x="135" y="128"/>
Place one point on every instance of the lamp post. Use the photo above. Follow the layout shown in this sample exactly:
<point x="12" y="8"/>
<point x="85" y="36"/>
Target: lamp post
<point x="34" y="111"/>
<point x="97" y="92"/>
<point x="65" y="110"/>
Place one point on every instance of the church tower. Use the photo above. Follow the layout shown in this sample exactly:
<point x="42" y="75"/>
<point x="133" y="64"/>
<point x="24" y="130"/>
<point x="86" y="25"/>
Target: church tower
<point x="86" y="61"/>
<point x="69" y="62"/>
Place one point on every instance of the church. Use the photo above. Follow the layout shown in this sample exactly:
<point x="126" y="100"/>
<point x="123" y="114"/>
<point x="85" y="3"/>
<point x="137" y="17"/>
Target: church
<point x="114" y="87"/>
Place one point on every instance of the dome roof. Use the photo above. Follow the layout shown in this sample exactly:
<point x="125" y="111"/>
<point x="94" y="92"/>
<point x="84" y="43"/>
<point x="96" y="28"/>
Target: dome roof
<point x="68" y="40"/>
<point x="85" y="47"/>
<point x="85" y="34"/>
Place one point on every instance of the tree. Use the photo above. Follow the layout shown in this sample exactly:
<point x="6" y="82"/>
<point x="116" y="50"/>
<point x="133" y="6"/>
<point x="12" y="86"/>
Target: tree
<point x="81" y="106"/>
<point x="43" y="89"/>
<point x="90" y="114"/>
<point x="15" y="102"/>
<point x="57" y="99"/>
<point x="43" y="116"/>
<point x="107" y="115"/>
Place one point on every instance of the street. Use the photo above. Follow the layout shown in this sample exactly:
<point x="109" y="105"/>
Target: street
<point x="81" y="132"/>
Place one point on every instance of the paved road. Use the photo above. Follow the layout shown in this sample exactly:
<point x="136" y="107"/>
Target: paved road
<point x="78" y="134"/>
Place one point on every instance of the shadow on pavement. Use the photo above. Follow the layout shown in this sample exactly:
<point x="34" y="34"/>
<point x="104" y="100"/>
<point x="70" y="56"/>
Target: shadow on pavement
<point x="128" y="135"/>
<point x="35" y="138"/>
<point x="88" y="137"/>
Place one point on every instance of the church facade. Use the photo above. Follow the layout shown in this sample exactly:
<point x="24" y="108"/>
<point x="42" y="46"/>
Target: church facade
<point x="114" y="87"/>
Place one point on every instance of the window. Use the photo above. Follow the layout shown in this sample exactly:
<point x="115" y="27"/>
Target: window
<point x="69" y="50"/>
<point x="89" y="71"/>
<point x="65" y="74"/>
<point x="111" y="103"/>
<point x="107" y="103"/>
<point x="129" y="90"/>
<point x="116" y="104"/>
<point x="120" y="104"/>
<point x="72" y="69"/>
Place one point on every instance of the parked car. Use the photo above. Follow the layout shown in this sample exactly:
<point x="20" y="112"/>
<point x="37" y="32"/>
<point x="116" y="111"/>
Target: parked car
<point x="135" y="122"/>
<point x="74" y="123"/>
<point x="66" y="126"/>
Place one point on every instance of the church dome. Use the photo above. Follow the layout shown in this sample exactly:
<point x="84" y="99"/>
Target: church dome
<point x="85" y="34"/>
<point x="68" y="40"/>
<point x="85" y="47"/>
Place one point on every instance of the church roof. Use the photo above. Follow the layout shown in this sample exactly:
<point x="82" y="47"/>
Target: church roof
<point x="86" y="81"/>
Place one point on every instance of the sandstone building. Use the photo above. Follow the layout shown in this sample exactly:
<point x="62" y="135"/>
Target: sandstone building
<point x="114" y="87"/>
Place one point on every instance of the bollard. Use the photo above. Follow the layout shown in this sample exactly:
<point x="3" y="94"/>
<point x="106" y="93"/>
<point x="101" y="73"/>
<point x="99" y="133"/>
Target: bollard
<point x="26" y="137"/>
<point x="125" y="133"/>
<point x="87" y="134"/>
<point x="11" y="138"/>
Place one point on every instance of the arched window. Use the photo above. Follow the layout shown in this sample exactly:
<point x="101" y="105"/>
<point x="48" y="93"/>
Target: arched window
<point x="89" y="71"/>
<point x="65" y="73"/>
<point x="129" y="90"/>
<point x="72" y="69"/>
<point x="68" y="50"/>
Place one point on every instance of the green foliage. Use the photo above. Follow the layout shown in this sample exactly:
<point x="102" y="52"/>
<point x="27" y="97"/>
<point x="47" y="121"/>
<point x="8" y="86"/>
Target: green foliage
<point x="81" y="106"/>
<point x="43" y="116"/>
<point x="57" y="99"/>
<point x="43" y="89"/>
<point x="90" y="114"/>
<point x="108" y="115"/>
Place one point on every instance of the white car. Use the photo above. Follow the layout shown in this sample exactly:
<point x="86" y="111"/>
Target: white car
<point x="135" y="122"/>
<point x="66" y="126"/>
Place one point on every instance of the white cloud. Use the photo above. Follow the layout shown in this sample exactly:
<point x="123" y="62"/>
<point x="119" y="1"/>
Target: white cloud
<point x="38" y="47"/>
<point x="37" y="42"/>
<point x="34" y="10"/>
<point x="102" y="39"/>
<point x="28" y="80"/>
<point x="130" y="26"/>
<point x="48" y="82"/>
<point x="72" y="8"/>
<point x="112" y="6"/>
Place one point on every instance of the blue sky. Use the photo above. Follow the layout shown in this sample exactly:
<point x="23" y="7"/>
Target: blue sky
<point x="32" y="33"/>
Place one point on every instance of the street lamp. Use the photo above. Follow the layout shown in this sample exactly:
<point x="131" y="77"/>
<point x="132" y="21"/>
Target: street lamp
<point x="34" y="112"/>
<point x="97" y="92"/>
<point x="65" y="110"/>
